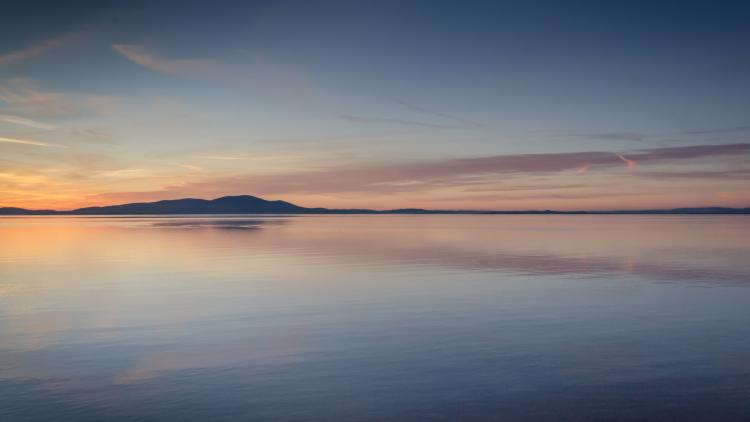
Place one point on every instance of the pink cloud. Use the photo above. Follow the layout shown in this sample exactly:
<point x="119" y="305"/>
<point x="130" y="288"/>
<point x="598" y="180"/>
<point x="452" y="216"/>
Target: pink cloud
<point x="39" y="48"/>
<point x="424" y="176"/>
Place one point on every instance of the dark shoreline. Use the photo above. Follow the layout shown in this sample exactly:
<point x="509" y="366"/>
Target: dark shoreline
<point x="246" y="204"/>
<point x="731" y="211"/>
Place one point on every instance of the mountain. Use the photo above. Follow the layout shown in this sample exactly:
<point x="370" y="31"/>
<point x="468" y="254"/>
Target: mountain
<point x="225" y="205"/>
<point x="712" y="210"/>
<point x="246" y="204"/>
<point x="22" y="211"/>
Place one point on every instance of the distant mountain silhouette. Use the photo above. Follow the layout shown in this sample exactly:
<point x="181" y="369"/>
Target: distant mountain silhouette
<point x="21" y="211"/>
<point x="225" y="205"/>
<point x="247" y="204"/>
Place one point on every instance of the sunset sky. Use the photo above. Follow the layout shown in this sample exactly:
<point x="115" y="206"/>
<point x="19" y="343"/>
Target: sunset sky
<point x="377" y="104"/>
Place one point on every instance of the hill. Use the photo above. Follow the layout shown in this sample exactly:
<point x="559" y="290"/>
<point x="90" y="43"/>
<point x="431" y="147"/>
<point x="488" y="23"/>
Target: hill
<point x="247" y="204"/>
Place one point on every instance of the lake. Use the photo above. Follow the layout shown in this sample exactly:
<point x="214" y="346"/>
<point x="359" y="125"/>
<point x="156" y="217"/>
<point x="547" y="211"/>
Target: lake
<point x="371" y="318"/>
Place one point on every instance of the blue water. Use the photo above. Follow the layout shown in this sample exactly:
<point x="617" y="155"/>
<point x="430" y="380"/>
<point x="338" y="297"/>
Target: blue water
<point x="371" y="318"/>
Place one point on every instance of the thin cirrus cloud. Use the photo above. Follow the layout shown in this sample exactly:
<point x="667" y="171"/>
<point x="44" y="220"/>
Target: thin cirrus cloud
<point x="248" y="71"/>
<point x="639" y="137"/>
<point x="362" y="119"/>
<point x="22" y="121"/>
<point x="19" y="95"/>
<point x="183" y="67"/>
<point x="424" y="175"/>
<point x="28" y="142"/>
<point x="39" y="48"/>
<point x="220" y="157"/>
<point x="735" y="174"/>
<point x="617" y="136"/>
<point x="192" y="167"/>
<point x="630" y="163"/>
<point x="449" y="121"/>
<point x="735" y="129"/>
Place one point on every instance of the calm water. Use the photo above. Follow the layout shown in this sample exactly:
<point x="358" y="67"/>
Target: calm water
<point x="375" y="318"/>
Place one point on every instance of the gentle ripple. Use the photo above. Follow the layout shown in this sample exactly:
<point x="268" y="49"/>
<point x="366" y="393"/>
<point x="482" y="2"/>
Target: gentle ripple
<point x="378" y="317"/>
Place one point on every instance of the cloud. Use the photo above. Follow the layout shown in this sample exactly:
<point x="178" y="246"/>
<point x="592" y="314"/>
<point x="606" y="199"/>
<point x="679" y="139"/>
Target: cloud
<point x="617" y="136"/>
<point x="91" y="134"/>
<point x="39" y="48"/>
<point x="22" y="97"/>
<point x="248" y="71"/>
<point x="433" y="112"/>
<point x="453" y="122"/>
<point x="639" y="137"/>
<point x="687" y="152"/>
<point x="735" y="174"/>
<point x="27" y="142"/>
<point x="18" y="93"/>
<point x="192" y="167"/>
<point x="141" y="56"/>
<point x="421" y="176"/>
<point x="220" y="157"/>
<point x="22" y="121"/>
<point x="735" y="129"/>
<point x="361" y="119"/>
<point x="630" y="163"/>
<point x="123" y="173"/>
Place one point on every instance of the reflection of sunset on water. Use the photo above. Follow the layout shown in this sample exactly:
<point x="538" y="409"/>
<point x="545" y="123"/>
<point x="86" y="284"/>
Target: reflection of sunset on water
<point x="94" y="306"/>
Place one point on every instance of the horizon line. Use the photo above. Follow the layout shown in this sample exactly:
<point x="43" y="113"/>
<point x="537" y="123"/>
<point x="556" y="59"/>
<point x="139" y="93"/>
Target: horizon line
<point x="405" y="210"/>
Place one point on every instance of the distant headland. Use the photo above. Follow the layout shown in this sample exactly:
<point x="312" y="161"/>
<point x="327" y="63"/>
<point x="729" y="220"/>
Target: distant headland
<point x="247" y="204"/>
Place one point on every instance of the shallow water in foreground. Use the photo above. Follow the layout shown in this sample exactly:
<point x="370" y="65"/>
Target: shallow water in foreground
<point x="375" y="318"/>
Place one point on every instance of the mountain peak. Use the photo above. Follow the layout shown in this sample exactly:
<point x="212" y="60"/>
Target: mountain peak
<point x="239" y="204"/>
<point x="248" y="204"/>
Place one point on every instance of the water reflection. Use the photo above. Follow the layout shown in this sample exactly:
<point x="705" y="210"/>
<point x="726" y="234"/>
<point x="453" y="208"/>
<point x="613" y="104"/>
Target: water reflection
<point x="374" y="317"/>
<point x="229" y="224"/>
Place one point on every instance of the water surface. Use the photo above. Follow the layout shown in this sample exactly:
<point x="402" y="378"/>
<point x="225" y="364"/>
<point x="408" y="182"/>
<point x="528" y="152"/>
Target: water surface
<point x="375" y="318"/>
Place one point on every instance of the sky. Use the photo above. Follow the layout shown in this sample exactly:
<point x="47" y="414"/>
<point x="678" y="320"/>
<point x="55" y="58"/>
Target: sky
<point x="376" y="104"/>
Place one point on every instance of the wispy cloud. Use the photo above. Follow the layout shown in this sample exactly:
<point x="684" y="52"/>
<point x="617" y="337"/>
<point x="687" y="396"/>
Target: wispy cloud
<point x="734" y="174"/>
<point x="421" y="176"/>
<point x="91" y="135"/>
<point x="192" y="167"/>
<point x="449" y="121"/>
<point x="123" y="173"/>
<point x="639" y="137"/>
<point x="28" y="142"/>
<point x="22" y="121"/>
<point x="734" y="129"/>
<point x="361" y="119"/>
<point x="220" y="157"/>
<point x="19" y="96"/>
<point x="630" y="163"/>
<point x="457" y="119"/>
<point x="617" y="136"/>
<point x="688" y="152"/>
<point x="190" y="67"/>
<point x="39" y="48"/>
<point x="247" y="71"/>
